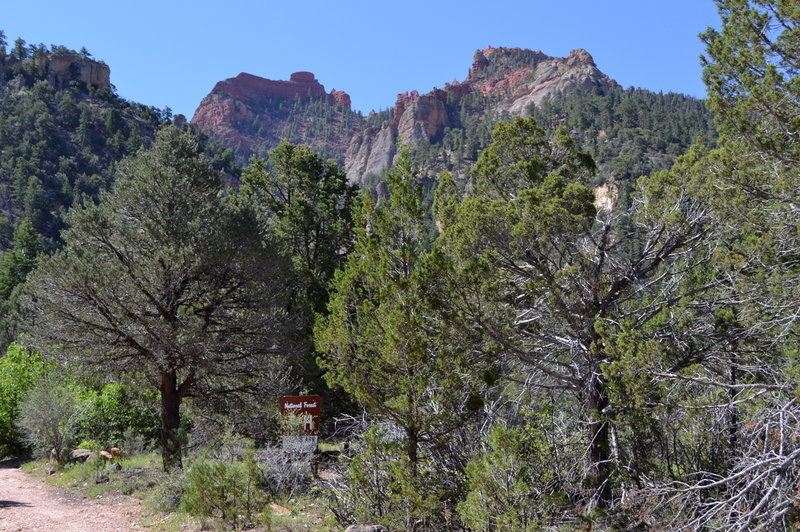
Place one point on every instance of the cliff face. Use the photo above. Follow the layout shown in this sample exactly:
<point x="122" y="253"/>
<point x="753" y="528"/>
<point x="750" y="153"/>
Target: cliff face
<point x="505" y="80"/>
<point x="62" y="68"/>
<point x="252" y="113"/>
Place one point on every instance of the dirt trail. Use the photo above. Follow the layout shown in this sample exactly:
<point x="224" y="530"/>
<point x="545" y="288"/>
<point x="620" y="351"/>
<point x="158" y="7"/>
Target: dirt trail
<point x="28" y="504"/>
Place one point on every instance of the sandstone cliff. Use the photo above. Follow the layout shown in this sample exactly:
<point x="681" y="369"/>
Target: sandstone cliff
<point x="61" y="68"/>
<point x="251" y="113"/>
<point x="504" y="80"/>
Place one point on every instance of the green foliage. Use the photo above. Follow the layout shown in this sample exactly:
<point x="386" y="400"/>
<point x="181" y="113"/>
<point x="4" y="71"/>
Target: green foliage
<point x="49" y="416"/>
<point x="20" y="371"/>
<point x="630" y="132"/>
<point x="15" y="265"/>
<point x="388" y="339"/>
<point x="91" y="445"/>
<point x="311" y="202"/>
<point x="551" y="264"/>
<point x="317" y="122"/>
<point x="378" y="488"/>
<point x="751" y="70"/>
<point x="114" y="413"/>
<point x="55" y="145"/>
<point x="224" y="490"/>
<point x="167" y="278"/>
<point x="509" y="486"/>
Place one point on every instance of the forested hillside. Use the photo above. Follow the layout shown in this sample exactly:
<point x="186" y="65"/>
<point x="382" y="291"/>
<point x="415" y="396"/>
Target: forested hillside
<point x="62" y="132"/>
<point x="629" y="132"/>
<point x="62" y="128"/>
<point x="587" y="320"/>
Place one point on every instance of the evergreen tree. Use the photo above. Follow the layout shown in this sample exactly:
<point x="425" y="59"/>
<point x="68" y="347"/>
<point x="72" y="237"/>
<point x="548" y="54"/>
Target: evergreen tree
<point x="565" y="273"/>
<point x="388" y="342"/>
<point x="166" y="277"/>
<point x="311" y="202"/>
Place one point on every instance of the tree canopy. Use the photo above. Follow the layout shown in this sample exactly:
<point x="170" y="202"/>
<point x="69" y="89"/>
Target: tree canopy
<point x="169" y="277"/>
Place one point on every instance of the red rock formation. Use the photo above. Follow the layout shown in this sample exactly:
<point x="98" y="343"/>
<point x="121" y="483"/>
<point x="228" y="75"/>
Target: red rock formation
<point x="238" y="110"/>
<point x="341" y="98"/>
<point x="249" y="88"/>
<point x="234" y="105"/>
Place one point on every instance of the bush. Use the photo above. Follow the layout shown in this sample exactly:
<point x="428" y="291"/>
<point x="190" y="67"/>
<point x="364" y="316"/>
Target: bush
<point x="20" y="369"/>
<point x="116" y="414"/>
<point x="48" y="416"/>
<point x="284" y="474"/>
<point x="169" y="490"/>
<point x="224" y="490"/>
<point x="90" y="445"/>
<point x="380" y="487"/>
<point x="511" y="485"/>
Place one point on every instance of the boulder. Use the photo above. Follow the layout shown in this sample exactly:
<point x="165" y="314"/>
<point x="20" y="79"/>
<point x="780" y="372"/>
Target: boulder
<point x="366" y="528"/>
<point x="81" y="455"/>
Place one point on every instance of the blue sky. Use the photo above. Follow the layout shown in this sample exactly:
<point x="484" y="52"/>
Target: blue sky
<point x="171" y="53"/>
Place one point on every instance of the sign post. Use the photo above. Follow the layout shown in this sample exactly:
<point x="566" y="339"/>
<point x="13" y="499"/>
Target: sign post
<point x="300" y="422"/>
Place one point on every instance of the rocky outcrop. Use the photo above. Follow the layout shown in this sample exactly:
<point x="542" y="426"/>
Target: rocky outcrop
<point x="606" y="195"/>
<point x="63" y="68"/>
<point x="512" y="78"/>
<point x="248" y="88"/>
<point x="556" y="75"/>
<point x="251" y="113"/>
<point x="506" y="80"/>
<point x="420" y="117"/>
<point x="370" y="152"/>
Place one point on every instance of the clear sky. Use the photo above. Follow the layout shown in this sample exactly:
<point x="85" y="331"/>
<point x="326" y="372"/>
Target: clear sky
<point x="172" y="52"/>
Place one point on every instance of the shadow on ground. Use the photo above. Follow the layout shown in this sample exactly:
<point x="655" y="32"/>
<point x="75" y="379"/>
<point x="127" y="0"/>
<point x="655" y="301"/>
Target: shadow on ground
<point x="12" y="463"/>
<point x="9" y="504"/>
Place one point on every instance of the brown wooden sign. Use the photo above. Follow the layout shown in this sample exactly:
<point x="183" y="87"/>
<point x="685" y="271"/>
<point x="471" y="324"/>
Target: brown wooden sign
<point x="300" y="421"/>
<point x="300" y="414"/>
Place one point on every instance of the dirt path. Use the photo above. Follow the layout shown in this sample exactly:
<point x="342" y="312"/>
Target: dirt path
<point x="28" y="504"/>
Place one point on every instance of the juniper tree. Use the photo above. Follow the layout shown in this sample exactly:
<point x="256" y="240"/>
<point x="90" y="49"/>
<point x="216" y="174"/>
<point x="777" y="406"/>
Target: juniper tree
<point x="567" y="273"/>
<point x="389" y="342"/>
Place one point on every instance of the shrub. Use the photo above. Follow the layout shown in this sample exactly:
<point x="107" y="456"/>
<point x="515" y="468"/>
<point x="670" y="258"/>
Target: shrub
<point x="224" y="490"/>
<point x="91" y="445"/>
<point x="115" y="413"/>
<point x="511" y="485"/>
<point x="380" y="487"/>
<point x="284" y="474"/>
<point x="20" y="369"/>
<point x="48" y="416"/>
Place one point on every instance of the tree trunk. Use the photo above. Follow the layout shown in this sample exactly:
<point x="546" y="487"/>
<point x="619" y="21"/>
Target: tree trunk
<point x="599" y="439"/>
<point x="170" y="422"/>
<point x="412" y="448"/>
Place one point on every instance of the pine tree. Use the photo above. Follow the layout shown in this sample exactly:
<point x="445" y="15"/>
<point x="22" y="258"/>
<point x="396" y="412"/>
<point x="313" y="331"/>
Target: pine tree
<point x="166" y="277"/>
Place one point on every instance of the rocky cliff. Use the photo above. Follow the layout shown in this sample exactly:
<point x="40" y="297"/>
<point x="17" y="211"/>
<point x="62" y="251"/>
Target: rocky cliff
<point x="63" y="68"/>
<point x="251" y="114"/>
<point x="58" y="68"/>
<point x="500" y="81"/>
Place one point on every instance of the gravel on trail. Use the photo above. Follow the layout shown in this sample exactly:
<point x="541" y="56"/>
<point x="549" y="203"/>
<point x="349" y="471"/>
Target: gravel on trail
<point x="29" y="504"/>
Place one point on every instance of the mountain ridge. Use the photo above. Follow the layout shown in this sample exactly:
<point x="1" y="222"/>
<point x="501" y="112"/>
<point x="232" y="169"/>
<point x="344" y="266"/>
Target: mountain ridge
<point x="506" y="80"/>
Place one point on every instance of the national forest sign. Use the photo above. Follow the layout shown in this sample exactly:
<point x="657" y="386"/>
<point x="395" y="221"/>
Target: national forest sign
<point x="300" y="422"/>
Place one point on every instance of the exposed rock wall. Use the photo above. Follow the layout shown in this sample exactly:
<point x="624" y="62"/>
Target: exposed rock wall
<point x="63" y="68"/>
<point x="510" y="79"/>
<point x="234" y="104"/>
<point x="514" y="77"/>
